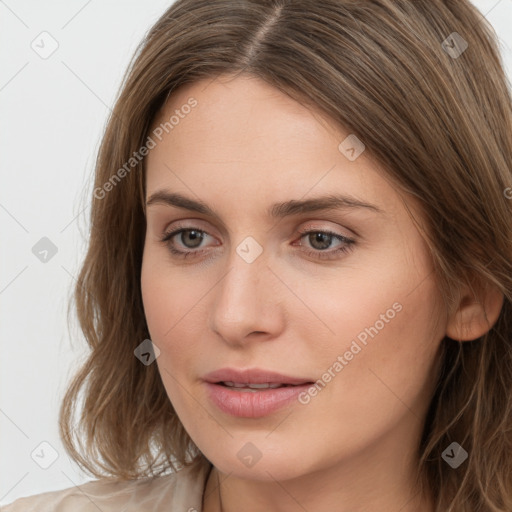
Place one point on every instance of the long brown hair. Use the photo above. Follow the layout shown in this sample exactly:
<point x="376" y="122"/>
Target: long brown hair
<point x="422" y="84"/>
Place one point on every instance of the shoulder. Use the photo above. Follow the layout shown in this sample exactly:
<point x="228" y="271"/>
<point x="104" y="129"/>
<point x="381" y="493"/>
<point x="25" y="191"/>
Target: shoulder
<point x="181" y="491"/>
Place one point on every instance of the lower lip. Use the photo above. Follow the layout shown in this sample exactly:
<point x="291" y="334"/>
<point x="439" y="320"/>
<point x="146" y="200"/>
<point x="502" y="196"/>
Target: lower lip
<point x="253" y="404"/>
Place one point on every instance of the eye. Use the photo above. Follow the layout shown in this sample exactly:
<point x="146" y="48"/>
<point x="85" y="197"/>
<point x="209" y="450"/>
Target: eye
<point x="191" y="238"/>
<point x="320" y="240"/>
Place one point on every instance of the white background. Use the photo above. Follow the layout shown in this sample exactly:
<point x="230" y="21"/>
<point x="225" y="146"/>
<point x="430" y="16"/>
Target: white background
<point x="53" y="112"/>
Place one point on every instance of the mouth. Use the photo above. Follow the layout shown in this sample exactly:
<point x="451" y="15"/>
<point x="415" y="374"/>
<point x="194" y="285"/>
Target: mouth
<point x="253" y="378"/>
<point x="253" y="393"/>
<point x="246" y="401"/>
<point x="239" y="386"/>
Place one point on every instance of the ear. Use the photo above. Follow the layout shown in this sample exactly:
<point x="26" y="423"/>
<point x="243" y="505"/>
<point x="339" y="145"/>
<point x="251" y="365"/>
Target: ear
<point x="475" y="315"/>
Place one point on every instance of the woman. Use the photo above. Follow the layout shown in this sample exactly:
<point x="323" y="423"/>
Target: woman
<point x="298" y="286"/>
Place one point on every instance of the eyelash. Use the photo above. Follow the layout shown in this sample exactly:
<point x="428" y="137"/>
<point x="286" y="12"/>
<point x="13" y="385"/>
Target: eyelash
<point x="347" y="247"/>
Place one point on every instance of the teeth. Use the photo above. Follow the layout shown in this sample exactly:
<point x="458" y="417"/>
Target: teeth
<point x="252" y="386"/>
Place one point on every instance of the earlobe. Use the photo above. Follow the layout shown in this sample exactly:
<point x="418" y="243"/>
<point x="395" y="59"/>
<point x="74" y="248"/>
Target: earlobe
<point x="475" y="316"/>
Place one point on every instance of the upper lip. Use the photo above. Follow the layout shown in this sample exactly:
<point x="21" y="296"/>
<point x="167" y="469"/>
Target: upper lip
<point x="252" y="376"/>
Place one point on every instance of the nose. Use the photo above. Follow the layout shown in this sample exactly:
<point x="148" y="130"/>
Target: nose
<point x="246" y="302"/>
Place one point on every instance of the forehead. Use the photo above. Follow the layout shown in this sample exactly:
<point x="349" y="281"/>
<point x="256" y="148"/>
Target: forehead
<point x="243" y="113"/>
<point x="244" y="139"/>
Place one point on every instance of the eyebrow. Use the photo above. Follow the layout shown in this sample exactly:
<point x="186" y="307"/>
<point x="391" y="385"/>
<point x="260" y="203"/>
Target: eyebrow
<point x="275" y="211"/>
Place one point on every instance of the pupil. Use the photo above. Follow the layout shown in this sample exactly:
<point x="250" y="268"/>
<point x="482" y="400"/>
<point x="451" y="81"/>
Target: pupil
<point x="319" y="237"/>
<point x="194" y="235"/>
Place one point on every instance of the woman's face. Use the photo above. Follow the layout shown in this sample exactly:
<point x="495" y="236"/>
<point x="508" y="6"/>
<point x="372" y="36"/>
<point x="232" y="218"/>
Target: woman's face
<point x="280" y="289"/>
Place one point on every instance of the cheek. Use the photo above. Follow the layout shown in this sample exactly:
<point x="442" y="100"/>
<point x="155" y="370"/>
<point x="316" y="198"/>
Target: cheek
<point x="157" y="298"/>
<point x="175" y="329"/>
<point x="172" y="307"/>
<point x="164" y="306"/>
<point x="163" y="295"/>
<point x="160" y="298"/>
<point x="375" y="328"/>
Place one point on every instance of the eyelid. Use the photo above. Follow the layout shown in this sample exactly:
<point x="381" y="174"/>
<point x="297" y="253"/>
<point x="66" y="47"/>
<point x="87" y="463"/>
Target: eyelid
<point x="310" y="225"/>
<point x="192" y="223"/>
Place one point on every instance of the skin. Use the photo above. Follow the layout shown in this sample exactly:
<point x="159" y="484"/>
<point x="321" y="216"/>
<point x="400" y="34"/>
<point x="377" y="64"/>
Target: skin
<point x="352" y="448"/>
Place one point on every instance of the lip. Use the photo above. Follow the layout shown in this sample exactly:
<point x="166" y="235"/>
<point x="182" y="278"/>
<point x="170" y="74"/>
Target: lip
<point x="257" y="403"/>
<point x="253" y="376"/>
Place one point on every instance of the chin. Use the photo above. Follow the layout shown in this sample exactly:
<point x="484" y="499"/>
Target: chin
<point x="273" y="464"/>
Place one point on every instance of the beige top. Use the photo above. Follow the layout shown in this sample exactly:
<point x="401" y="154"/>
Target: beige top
<point x="181" y="491"/>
